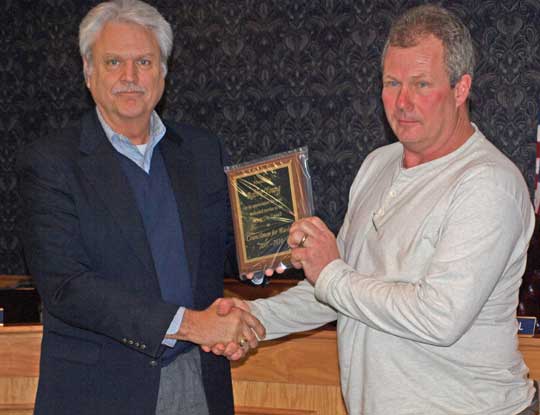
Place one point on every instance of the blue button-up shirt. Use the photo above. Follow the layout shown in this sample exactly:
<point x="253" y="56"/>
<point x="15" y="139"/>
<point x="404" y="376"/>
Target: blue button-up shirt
<point x="141" y="155"/>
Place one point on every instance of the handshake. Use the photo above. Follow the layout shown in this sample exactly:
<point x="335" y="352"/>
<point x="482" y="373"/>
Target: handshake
<point x="226" y="328"/>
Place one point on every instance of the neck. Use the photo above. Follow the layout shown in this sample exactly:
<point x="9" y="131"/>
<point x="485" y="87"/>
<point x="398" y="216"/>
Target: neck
<point x="461" y="132"/>
<point x="137" y="130"/>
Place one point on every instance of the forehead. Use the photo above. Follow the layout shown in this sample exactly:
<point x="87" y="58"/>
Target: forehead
<point x="125" y="38"/>
<point x="426" y="54"/>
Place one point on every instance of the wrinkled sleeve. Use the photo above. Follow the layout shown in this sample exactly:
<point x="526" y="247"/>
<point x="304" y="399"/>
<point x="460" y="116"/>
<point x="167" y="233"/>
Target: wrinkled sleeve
<point x="483" y="229"/>
<point x="292" y="311"/>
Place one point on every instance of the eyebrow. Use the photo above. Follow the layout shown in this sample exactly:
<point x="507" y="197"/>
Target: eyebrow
<point x="414" y="77"/>
<point x="422" y="75"/>
<point x="122" y="55"/>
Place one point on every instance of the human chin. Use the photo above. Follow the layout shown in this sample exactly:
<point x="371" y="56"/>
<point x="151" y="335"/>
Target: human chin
<point x="130" y="108"/>
<point x="408" y="132"/>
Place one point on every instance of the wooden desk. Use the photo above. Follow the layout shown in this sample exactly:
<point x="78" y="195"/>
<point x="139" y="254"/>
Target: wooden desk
<point x="297" y="375"/>
<point x="19" y="368"/>
<point x="294" y="376"/>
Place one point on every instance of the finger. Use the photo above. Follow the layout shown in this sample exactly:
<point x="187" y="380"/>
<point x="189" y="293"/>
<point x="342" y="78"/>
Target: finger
<point x="269" y="272"/>
<point x="318" y="223"/>
<point x="251" y="338"/>
<point x="297" y="225"/>
<point x="309" y="231"/>
<point x="255" y="325"/>
<point x="311" y="226"/>
<point x="231" y="349"/>
<point x="297" y="255"/>
<point x="301" y="226"/>
<point x="226" y="305"/>
<point x="280" y="269"/>
<point x="238" y="355"/>
<point x="295" y="237"/>
<point x="241" y="304"/>
<point x="301" y="233"/>
<point x="218" y="349"/>
<point x="312" y="223"/>
<point x="206" y="349"/>
<point x="297" y="264"/>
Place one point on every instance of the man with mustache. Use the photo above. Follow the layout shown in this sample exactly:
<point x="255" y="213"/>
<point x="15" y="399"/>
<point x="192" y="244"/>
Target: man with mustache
<point x="424" y="275"/>
<point x="125" y="233"/>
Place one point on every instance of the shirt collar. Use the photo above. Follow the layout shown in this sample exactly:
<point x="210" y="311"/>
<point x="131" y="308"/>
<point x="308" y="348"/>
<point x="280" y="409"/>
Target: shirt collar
<point x="157" y="129"/>
<point x="124" y="146"/>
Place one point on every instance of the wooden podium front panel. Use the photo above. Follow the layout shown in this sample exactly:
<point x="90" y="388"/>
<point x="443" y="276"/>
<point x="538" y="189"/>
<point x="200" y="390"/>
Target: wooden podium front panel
<point x="19" y="368"/>
<point x="286" y="377"/>
<point x="298" y="375"/>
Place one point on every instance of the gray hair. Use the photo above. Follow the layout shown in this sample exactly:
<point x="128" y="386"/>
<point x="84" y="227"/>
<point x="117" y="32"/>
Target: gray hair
<point x="127" y="11"/>
<point x="421" y="21"/>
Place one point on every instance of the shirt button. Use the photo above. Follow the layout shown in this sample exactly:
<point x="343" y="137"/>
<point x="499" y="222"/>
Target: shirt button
<point x="153" y="363"/>
<point x="380" y="212"/>
<point x="392" y="193"/>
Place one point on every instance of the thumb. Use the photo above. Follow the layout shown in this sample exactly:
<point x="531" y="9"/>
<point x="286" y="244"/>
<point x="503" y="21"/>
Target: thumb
<point x="224" y="306"/>
<point x="241" y="304"/>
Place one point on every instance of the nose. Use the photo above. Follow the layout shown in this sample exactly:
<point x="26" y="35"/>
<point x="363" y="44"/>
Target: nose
<point x="404" y="99"/>
<point x="130" y="71"/>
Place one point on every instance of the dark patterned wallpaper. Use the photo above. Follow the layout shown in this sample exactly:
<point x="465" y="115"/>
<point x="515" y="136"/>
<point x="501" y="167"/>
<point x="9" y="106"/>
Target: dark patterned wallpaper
<point x="267" y="75"/>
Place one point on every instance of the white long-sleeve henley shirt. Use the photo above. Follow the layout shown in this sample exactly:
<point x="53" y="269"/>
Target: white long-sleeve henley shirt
<point x="426" y="290"/>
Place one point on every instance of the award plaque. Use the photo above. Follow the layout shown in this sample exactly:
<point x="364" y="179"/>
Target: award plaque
<point x="267" y="196"/>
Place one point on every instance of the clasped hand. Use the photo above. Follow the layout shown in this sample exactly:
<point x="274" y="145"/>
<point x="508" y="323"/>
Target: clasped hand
<point x="313" y="246"/>
<point x="230" y="325"/>
<point x="235" y="350"/>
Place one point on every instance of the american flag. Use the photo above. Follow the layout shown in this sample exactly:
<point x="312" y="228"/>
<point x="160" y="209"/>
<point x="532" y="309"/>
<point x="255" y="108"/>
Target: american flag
<point x="536" y="187"/>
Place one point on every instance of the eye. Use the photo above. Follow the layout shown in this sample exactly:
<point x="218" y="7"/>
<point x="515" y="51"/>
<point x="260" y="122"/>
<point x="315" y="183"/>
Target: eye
<point x="112" y="62"/>
<point x="390" y="83"/>
<point x="145" y="62"/>
<point x="422" y="84"/>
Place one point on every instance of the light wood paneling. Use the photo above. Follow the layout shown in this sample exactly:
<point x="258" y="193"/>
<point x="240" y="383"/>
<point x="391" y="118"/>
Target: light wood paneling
<point x="299" y="373"/>
<point x="16" y="409"/>
<point x="291" y="398"/>
<point x="17" y="392"/>
<point x="294" y="376"/>
<point x="246" y="410"/>
<point x="19" y="350"/>
<point x="305" y="358"/>
<point x="530" y="348"/>
<point x="19" y="368"/>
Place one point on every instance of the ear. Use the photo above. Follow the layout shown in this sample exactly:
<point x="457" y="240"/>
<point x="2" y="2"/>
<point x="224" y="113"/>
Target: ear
<point x="462" y="89"/>
<point x="86" y="72"/>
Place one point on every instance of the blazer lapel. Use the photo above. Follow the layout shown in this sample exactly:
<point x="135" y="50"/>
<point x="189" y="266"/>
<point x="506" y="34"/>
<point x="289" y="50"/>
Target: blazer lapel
<point x="178" y="159"/>
<point x="101" y="168"/>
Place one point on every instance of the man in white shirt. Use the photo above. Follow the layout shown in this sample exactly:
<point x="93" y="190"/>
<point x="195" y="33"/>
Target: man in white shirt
<point x="424" y="275"/>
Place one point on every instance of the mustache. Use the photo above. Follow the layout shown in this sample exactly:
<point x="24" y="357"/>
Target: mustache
<point x="128" y="87"/>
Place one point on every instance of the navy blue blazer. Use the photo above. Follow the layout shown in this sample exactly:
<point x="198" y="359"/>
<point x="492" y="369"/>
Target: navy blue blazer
<point x="86" y="248"/>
